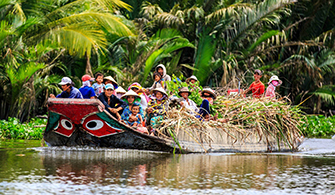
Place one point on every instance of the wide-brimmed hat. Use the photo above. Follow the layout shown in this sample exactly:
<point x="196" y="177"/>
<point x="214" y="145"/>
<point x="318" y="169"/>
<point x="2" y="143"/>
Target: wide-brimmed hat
<point x="116" y="85"/>
<point x="160" y="90"/>
<point x="109" y="86"/>
<point x="208" y="90"/>
<point x="120" y="90"/>
<point x="87" y="77"/>
<point x="65" y="80"/>
<point x="184" y="90"/>
<point x="190" y="78"/>
<point x="130" y="93"/>
<point x="110" y="79"/>
<point x="258" y="72"/>
<point x="273" y="78"/>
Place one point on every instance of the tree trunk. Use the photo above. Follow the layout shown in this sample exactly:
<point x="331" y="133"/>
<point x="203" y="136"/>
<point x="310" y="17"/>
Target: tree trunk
<point x="88" y="69"/>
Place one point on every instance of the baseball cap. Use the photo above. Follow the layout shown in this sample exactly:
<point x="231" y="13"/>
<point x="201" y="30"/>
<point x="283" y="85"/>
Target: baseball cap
<point x="109" y="86"/>
<point x="65" y="80"/>
<point x="87" y="77"/>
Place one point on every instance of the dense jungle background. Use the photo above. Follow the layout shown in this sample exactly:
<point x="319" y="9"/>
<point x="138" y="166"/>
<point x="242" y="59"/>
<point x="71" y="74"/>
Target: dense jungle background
<point x="217" y="40"/>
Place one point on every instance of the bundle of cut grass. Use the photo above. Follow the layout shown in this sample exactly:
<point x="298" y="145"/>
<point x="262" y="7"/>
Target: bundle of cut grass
<point x="274" y="122"/>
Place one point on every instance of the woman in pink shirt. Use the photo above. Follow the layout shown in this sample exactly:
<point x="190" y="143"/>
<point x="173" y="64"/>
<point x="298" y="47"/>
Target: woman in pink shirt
<point x="273" y="83"/>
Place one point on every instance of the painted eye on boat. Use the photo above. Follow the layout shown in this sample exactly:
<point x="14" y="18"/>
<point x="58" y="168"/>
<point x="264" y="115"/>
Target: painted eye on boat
<point x="66" y="124"/>
<point x="56" y="127"/>
<point x="94" y="124"/>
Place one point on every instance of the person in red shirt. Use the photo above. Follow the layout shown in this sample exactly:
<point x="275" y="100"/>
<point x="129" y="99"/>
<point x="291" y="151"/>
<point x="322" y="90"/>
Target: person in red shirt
<point x="257" y="87"/>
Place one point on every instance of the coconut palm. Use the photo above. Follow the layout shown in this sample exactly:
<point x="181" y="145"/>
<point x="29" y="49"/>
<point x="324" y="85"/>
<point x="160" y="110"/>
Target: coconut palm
<point x="32" y="34"/>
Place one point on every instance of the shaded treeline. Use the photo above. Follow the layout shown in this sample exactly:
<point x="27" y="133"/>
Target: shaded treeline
<point x="43" y="40"/>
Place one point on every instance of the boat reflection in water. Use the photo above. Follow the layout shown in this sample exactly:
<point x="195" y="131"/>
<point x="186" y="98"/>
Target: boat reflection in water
<point x="118" y="166"/>
<point x="192" y="171"/>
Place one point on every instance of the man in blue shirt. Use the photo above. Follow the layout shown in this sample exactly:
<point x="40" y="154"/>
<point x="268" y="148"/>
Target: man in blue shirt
<point x="86" y="90"/>
<point x="68" y="90"/>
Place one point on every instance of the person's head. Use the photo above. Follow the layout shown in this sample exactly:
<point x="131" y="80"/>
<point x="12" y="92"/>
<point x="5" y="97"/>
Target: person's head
<point x="87" y="80"/>
<point x="110" y="80"/>
<point x="99" y="78"/>
<point x="157" y="76"/>
<point x="135" y="89"/>
<point x="158" y="94"/>
<point x="109" y="89"/>
<point x="257" y="75"/>
<point x="130" y="99"/>
<point x="191" y="80"/>
<point x="66" y="83"/>
<point x="208" y="93"/>
<point x="184" y="92"/>
<point x="160" y="70"/>
<point x="275" y="81"/>
<point x="135" y="109"/>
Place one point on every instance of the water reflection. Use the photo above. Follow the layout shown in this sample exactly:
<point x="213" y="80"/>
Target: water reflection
<point x="107" y="171"/>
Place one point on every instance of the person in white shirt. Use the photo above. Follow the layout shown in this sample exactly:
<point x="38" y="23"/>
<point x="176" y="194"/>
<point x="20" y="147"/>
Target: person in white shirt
<point x="186" y="102"/>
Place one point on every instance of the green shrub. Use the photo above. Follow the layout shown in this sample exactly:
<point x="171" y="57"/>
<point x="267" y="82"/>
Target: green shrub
<point x="13" y="129"/>
<point x="319" y="126"/>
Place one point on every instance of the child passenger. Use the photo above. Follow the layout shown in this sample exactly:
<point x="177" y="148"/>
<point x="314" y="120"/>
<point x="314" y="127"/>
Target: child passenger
<point x="135" y="112"/>
<point x="273" y="83"/>
<point x="158" y="81"/>
<point x="98" y="86"/>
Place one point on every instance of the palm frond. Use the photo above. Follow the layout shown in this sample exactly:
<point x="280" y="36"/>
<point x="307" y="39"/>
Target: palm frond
<point x="263" y="12"/>
<point x="326" y="93"/>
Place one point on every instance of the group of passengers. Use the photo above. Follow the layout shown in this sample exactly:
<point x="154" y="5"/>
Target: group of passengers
<point x="143" y="108"/>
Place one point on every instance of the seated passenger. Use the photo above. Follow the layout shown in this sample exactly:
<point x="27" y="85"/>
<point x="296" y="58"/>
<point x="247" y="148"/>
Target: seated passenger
<point x="208" y="96"/>
<point x="111" y="102"/>
<point x="186" y="102"/>
<point x="273" y="83"/>
<point x="162" y="71"/>
<point x="128" y="116"/>
<point x="98" y="86"/>
<point x="86" y="90"/>
<point x="157" y="108"/>
<point x="257" y="87"/>
<point x="69" y="91"/>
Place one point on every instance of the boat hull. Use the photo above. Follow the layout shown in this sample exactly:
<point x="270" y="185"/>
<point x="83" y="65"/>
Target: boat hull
<point x="86" y="123"/>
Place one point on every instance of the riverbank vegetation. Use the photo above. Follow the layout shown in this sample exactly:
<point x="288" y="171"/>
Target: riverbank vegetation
<point x="14" y="129"/>
<point x="42" y="41"/>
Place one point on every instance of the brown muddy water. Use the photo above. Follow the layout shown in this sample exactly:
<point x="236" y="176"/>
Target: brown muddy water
<point x="27" y="168"/>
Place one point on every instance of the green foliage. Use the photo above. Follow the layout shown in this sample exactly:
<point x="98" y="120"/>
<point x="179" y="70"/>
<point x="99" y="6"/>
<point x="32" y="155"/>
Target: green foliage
<point x="175" y="84"/>
<point x="13" y="129"/>
<point x="318" y="126"/>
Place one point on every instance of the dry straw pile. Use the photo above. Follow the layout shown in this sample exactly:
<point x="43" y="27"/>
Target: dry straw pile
<point x="267" y="119"/>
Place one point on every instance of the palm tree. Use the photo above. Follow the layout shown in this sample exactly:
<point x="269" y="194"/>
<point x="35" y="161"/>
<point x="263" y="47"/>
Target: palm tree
<point x="31" y="34"/>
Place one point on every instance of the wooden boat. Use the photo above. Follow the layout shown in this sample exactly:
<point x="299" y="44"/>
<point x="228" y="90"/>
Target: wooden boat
<point x="85" y="122"/>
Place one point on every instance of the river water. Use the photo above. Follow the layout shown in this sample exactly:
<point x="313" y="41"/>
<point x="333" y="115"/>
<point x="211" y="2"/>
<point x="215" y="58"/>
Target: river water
<point x="27" y="168"/>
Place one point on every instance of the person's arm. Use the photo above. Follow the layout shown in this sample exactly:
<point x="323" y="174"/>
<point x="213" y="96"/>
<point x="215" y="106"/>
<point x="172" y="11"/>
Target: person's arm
<point x="249" y="89"/>
<point x="115" y="100"/>
<point x="140" y="118"/>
